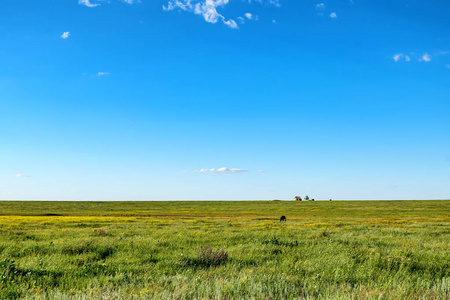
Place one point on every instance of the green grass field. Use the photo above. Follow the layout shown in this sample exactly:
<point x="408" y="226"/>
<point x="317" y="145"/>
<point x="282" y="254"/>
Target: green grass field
<point x="150" y="250"/>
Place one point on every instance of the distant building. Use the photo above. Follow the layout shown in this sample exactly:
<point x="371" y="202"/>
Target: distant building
<point x="298" y="198"/>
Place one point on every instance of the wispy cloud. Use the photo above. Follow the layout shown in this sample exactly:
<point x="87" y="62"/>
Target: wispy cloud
<point x="320" y="6"/>
<point x="95" y="3"/>
<point x="275" y="3"/>
<point x="206" y="8"/>
<point x="223" y="170"/>
<point x="65" y="35"/>
<point x="88" y="3"/>
<point x="209" y="10"/>
<point x="231" y="23"/>
<point x="333" y="15"/>
<point x="22" y="175"/>
<point x="103" y="73"/>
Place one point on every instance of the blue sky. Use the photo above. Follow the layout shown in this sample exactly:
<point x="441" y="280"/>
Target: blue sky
<point x="218" y="99"/>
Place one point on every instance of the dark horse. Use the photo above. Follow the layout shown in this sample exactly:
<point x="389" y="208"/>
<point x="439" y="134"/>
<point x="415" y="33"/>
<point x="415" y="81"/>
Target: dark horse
<point x="283" y="218"/>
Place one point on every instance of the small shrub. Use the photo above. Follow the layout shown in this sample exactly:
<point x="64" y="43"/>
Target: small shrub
<point x="99" y="232"/>
<point x="208" y="254"/>
<point x="207" y="257"/>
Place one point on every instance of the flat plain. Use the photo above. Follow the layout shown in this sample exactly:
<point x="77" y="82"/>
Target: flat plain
<point x="225" y="250"/>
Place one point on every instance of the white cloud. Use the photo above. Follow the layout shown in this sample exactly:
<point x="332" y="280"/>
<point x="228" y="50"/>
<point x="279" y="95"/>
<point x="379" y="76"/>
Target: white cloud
<point x="320" y="6"/>
<point x="95" y="3"/>
<point x="426" y="57"/>
<point x="209" y="10"/>
<point x="206" y="8"/>
<point x="249" y="16"/>
<point x="274" y="3"/>
<point x="182" y="4"/>
<point x="397" y="57"/>
<point x="401" y="56"/>
<point x="22" y="175"/>
<point x="409" y="57"/>
<point x="103" y="73"/>
<point x="223" y="170"/>
<point x="333" y="15"/>
<point x="266" y="2"/>
<point x="88" y="3"/>
<point x="65" y="35"/>
<point x="231" y="24"/>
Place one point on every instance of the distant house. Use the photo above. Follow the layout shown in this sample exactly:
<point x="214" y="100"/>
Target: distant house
<point x="298" y="198"/>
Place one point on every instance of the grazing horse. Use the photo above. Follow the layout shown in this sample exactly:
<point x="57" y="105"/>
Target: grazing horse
<point x="283" y="218"/>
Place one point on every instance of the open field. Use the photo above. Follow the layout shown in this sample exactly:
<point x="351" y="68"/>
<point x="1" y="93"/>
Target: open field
<point x="149" y="250"/>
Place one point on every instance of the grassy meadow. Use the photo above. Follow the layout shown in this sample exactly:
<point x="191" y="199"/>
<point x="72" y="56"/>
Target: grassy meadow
<point x="225" y="250"/>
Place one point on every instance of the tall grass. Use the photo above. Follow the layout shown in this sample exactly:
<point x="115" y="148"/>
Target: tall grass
<point x="150" y="250"/>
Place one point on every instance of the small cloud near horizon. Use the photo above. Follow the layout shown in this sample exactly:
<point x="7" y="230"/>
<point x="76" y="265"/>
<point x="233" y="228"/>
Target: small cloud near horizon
<point x="22" y="175"/>
<point x="223" y="170"/>
<point x="99" y="74"/>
